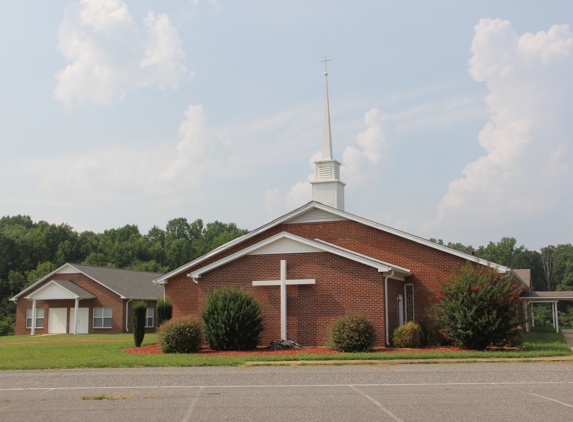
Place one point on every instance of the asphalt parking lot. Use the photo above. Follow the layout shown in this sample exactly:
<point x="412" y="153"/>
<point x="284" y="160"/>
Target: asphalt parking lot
<point x="428" y="392"/>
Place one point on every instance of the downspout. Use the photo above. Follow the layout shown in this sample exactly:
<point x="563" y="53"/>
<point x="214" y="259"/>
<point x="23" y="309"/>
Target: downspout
<point x="127" y="315"/>
<point x="386" y="308"/>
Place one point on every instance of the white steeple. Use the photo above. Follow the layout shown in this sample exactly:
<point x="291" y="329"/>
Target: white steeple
<point x="327" y="188"/>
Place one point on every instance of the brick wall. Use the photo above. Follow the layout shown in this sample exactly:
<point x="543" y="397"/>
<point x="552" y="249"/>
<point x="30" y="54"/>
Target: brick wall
<point x="342" y="285"/>
<point x="104" y="298"/>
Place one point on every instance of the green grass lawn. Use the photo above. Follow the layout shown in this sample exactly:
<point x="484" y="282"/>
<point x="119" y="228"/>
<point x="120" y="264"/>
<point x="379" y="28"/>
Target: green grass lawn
<point x="105" y="351"/>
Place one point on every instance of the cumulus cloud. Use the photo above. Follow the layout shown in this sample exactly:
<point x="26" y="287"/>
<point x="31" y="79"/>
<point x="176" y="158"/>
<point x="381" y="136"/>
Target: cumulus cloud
<point x="113" y="174"/>
<point x="110" y="54"/>
<point x="361" y="163"/>
<point x="527" y="140"/>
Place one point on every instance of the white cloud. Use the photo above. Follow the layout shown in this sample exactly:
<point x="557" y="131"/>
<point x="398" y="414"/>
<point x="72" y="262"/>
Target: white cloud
<point x="109" y="56"/>
<point x="373" y="154"/>
<point x="361" y="163"/>
<point x="526" y="168"/>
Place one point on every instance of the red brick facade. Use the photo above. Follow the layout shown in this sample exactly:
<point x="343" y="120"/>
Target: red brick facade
<point x="342" y="285"/>
<point x="104" y="298"/>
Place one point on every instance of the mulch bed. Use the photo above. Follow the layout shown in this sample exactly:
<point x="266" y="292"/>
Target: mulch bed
<point x="153" y="349"/>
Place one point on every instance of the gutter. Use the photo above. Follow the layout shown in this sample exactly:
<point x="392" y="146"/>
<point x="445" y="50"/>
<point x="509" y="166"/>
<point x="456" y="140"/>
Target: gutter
<point x="386" y="308"/>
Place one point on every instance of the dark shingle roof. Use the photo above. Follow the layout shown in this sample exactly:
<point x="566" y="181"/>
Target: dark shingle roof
<point x="127" y="283"/>
<point x="74" y="288"/>
<point x="548" y="295"/>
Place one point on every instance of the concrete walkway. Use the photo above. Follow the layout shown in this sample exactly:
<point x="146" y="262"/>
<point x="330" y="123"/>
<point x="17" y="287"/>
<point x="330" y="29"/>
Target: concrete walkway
<point x="568" y="333"/>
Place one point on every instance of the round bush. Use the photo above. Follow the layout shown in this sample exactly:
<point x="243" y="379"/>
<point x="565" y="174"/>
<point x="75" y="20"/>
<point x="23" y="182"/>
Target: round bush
<point x="180" y="335"/>
<point x="232" y="320"/>
<point x="351" y="333"/>
<point x="408" y="335"/>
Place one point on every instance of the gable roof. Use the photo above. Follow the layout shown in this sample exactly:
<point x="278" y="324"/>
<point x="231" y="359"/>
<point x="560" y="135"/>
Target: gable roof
<point x="128" y="284"/>
<point x="321" y="246"/>
<point x="73" y="289"/>
<point x="319" y="212"/>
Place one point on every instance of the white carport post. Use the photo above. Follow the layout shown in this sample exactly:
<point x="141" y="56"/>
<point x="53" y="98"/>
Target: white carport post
<point x="553" y="312"/>
<point x="33" y="317"/>
<point x="532" y="315"/>
<point x="76" y="316"/>
<point x="556" y="317"/>
<point x="525" y="317"/>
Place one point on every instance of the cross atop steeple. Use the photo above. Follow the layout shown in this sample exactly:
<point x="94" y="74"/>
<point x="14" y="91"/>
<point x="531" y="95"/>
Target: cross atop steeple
<point x="327" y="187"/>
<point x="325" y="61"/>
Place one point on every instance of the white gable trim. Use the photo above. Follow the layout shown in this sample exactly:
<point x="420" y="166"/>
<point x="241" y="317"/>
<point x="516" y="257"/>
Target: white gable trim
<point x="284" y="245"/>
<point x="291" y="216"/>
<point x="48" y="290"/>
<point x="315" y="216"/>
<point x="64" y="269"/>
<point x="383" y="268"/>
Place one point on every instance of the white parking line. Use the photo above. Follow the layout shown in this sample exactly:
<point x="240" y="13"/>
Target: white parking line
<point x="549" y="398"/>
<point x="288" y="385"/>
<point x="189" y="413"/>
<point x="392" y="415"/>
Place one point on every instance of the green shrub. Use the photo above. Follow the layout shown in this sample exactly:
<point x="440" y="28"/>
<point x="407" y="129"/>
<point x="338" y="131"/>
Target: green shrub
<point x="232" y="320"/>
<point x="138" y="311"/>
<point x="478" y="308"/>
<point x="409" y="334"/>
<point x="164" y="310"/>
<point x="180" y="335"/>
<point x="351" y="333"/>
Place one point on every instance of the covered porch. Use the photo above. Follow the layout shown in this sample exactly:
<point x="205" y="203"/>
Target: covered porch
<point x="532" y="298"/>
<point x="61" y="290"/>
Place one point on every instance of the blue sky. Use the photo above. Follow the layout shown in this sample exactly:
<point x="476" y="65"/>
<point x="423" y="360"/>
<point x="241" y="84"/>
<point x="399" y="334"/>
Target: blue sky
<point x="451" y="119"/>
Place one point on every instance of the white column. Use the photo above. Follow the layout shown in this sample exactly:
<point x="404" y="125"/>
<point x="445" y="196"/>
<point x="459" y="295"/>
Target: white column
<point x="76" y="316"/>
<point x="283" y="301"/>
<point x="556" y="318"/>
<point x="532" y="316"/>
<point x="553" y="313"/>
<point x="525" y="317"/>
<point x="33" y="317"/>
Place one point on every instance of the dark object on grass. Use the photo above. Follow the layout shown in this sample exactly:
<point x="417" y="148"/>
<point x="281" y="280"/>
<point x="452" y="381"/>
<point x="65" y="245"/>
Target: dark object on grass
<point x="284" y="345"/>
<point x="164" y="310"/>
<point x="180" y="335"/>
<point x="139" y="311"/>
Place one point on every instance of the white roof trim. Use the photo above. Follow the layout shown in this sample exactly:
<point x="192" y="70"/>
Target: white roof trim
<point x="381" y="267"/>
<point x="313" y="204"/>
<point x="53" y="282"/>
<point x="55" y="272"/>
<point x="396" y="268"/>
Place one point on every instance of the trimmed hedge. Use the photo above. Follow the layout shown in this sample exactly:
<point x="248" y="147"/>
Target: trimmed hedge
<point x="139" y="311"/>
<point x="180" y="335"/>
<point x="351" y="333"/>
<point x="409" y="335"/>
<point x="232" y="320"/>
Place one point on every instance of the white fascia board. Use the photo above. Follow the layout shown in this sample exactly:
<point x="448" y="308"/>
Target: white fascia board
<point x="392" y="267"/>
<point x="499" y="268"/>
<point x="31" y="287"/>
<point x="45" y="286"/>
<point x="275" y="222"/>
<point x="15" y="298"/>
<point x="313" y="204"/>
<point x="363" y="260"/>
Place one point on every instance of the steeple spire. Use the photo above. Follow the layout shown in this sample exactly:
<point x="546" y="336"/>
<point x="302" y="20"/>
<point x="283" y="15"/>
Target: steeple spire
<point x="327" y="187"/>
<point x="326" y="137"/>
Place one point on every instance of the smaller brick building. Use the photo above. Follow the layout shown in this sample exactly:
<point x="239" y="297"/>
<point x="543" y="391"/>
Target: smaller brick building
<point x="100" y="296"/>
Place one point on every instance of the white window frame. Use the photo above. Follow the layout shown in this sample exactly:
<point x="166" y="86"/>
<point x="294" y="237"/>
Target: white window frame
<point x="38" y="317"/>
<point x="150" y="315"/>
<point x="102" y="318"/>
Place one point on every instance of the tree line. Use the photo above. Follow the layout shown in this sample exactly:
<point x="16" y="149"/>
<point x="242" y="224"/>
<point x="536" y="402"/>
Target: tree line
<point x="29" y="250"/>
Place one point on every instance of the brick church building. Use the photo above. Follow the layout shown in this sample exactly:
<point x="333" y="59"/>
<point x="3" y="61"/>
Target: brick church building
<point x="319" y="262"/>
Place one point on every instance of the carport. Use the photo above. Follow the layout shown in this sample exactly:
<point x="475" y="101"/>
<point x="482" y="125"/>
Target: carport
<point x="531" y="298"/>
